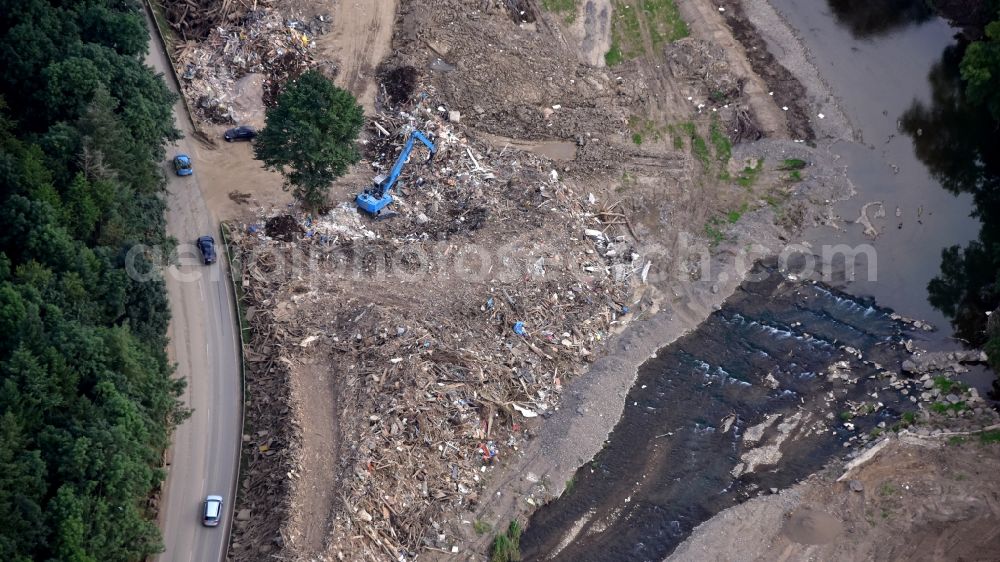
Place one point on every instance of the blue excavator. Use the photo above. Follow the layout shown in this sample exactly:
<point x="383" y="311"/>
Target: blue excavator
<point x="377" y="197"/>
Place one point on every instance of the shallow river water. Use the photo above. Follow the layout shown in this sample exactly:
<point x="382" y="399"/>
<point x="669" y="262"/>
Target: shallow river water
<point x="673" y="459"/>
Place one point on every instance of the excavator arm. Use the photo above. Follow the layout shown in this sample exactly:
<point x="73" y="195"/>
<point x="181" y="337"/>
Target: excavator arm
<point x="376" y="198"/>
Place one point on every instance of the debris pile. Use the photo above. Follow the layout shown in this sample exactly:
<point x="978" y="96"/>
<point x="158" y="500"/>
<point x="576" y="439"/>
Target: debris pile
<point x="271" y="447"/>
<point x="259" y="42"/>
<point x="194" y="19"/>
<point x="704" y="64"/>
<point x="448" y="328"/>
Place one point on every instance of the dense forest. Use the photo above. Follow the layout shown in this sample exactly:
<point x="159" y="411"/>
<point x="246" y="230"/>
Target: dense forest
<point x="87" y="400"/>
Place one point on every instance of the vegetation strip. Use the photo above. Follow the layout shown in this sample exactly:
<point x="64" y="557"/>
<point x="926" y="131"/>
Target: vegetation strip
<point x="89" y="399"/>
<point x="242" y="325"/>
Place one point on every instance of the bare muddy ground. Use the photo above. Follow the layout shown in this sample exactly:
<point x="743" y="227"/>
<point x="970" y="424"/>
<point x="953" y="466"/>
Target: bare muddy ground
<point x="918" y="499"/>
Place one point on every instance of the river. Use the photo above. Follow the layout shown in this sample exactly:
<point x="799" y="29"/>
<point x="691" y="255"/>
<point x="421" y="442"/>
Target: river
<point x="672" y="462"/>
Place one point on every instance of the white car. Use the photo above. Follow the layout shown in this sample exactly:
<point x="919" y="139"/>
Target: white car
<point x="212" y="513"/>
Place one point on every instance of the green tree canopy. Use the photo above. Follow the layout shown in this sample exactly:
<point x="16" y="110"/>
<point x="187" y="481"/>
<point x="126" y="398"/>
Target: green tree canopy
<point x="87" y="401"/>
<point x="981" y="70"/>
<point x="309" y="137"/>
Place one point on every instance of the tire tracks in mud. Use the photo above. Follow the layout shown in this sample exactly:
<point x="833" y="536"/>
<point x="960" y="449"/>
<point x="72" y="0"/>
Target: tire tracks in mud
<point x="360" y="39"/>
<point x="362" y="31"/>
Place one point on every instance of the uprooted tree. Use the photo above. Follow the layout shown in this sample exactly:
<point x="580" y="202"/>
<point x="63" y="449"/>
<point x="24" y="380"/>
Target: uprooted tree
<point x="309" y="137"/>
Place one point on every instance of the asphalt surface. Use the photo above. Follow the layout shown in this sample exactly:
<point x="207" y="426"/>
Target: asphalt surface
<point x="204" y="456"/>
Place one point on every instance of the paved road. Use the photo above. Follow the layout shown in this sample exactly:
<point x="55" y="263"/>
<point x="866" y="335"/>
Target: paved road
<point x="203" y="343"/>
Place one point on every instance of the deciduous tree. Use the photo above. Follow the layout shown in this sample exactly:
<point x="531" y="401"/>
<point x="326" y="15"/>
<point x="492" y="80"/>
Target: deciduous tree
<point x="309" y="137"/>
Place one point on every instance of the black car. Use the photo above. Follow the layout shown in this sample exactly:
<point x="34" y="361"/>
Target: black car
<point x="207" y="246"/>
<point x="243" y="132"/>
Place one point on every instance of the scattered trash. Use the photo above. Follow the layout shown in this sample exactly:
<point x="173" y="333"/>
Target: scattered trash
<point x="489" y="450"/>
<point x="519" y="329"/>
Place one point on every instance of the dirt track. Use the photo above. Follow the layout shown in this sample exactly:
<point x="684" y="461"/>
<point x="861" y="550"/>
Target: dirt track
<point x="358" y="42"/>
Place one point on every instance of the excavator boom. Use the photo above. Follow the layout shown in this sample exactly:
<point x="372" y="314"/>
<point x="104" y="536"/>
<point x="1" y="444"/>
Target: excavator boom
<point x="377" y="197"/>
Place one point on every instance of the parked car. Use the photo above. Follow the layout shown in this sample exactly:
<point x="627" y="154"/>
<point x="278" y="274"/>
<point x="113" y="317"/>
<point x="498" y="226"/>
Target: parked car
<point x="243" y="132"/>
<point x="207" y="246"/>
<point x="182" y="165"/>
<point x="212" y="511"/>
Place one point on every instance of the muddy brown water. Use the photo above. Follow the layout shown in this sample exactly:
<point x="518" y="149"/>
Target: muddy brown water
<point x="668" y="465"/>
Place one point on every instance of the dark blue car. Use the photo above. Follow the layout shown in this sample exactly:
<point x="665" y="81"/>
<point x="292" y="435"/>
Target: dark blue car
<point x="243" y="132"/>
<point x="207" y="246"/>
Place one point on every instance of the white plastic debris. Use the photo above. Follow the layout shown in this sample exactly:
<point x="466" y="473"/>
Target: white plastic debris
<point x="525" y="411"/>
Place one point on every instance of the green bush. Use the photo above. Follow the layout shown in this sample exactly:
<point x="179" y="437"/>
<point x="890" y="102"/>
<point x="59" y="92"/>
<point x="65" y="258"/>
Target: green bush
<point x="506" y="547"/>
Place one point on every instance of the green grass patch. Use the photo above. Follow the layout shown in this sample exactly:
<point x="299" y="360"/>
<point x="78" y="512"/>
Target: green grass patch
<point x="792" y="164"/>
<point x="956" y="440"/>
<point x="565" y="8"/>
<point x="644" y="129"/>
<point x="664" y="21"/>
<point x="990" y="437"/>
<point x="845" y="415"/>
<point x="748" y="176"/>
<point x="875" y="432"/>
<point x="700" y="150"/>
<point x="723" y="146"/>
<point x="910" y="417"/>
<point x="481" y="527"/>
<point x="943" y="407"/>
<point x="946" y="385"/>
<point x="626" y="34"/>
<point x="663" y="24"/>
<point x="614" y="55"/>
<point x="506" y="547"/>
<point x="795" y="176"/>
<point x="887" y="489"/>
<point x="734" y="216"/>
<point x="570" y="484"/>
<point x="713" y="232"/>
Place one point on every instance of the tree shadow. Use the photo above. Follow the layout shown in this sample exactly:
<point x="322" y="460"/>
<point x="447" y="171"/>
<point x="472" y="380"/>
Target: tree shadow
<point x="872" y="18"/>
<point x="960" y="145"/>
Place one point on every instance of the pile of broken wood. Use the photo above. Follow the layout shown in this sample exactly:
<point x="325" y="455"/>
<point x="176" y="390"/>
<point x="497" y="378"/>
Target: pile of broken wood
<point x="259" y="41"/>
<point x="195" y="19"/>
<point x="440" y="380"/>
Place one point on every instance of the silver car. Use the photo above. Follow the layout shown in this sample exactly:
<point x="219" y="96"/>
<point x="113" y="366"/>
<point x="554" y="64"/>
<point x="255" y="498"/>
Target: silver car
<point x="212" y="513"/>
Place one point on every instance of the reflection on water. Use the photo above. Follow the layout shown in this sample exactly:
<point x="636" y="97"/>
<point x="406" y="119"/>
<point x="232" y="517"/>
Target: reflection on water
<point x="959" y="144"/>
<point x="867" y="18"/>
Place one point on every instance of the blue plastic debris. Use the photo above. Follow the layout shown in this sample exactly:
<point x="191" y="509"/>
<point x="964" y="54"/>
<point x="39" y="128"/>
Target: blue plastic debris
<point x="489" y="303"/>
<point x="519" y="329"/>
<point x="624" y="309"/>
